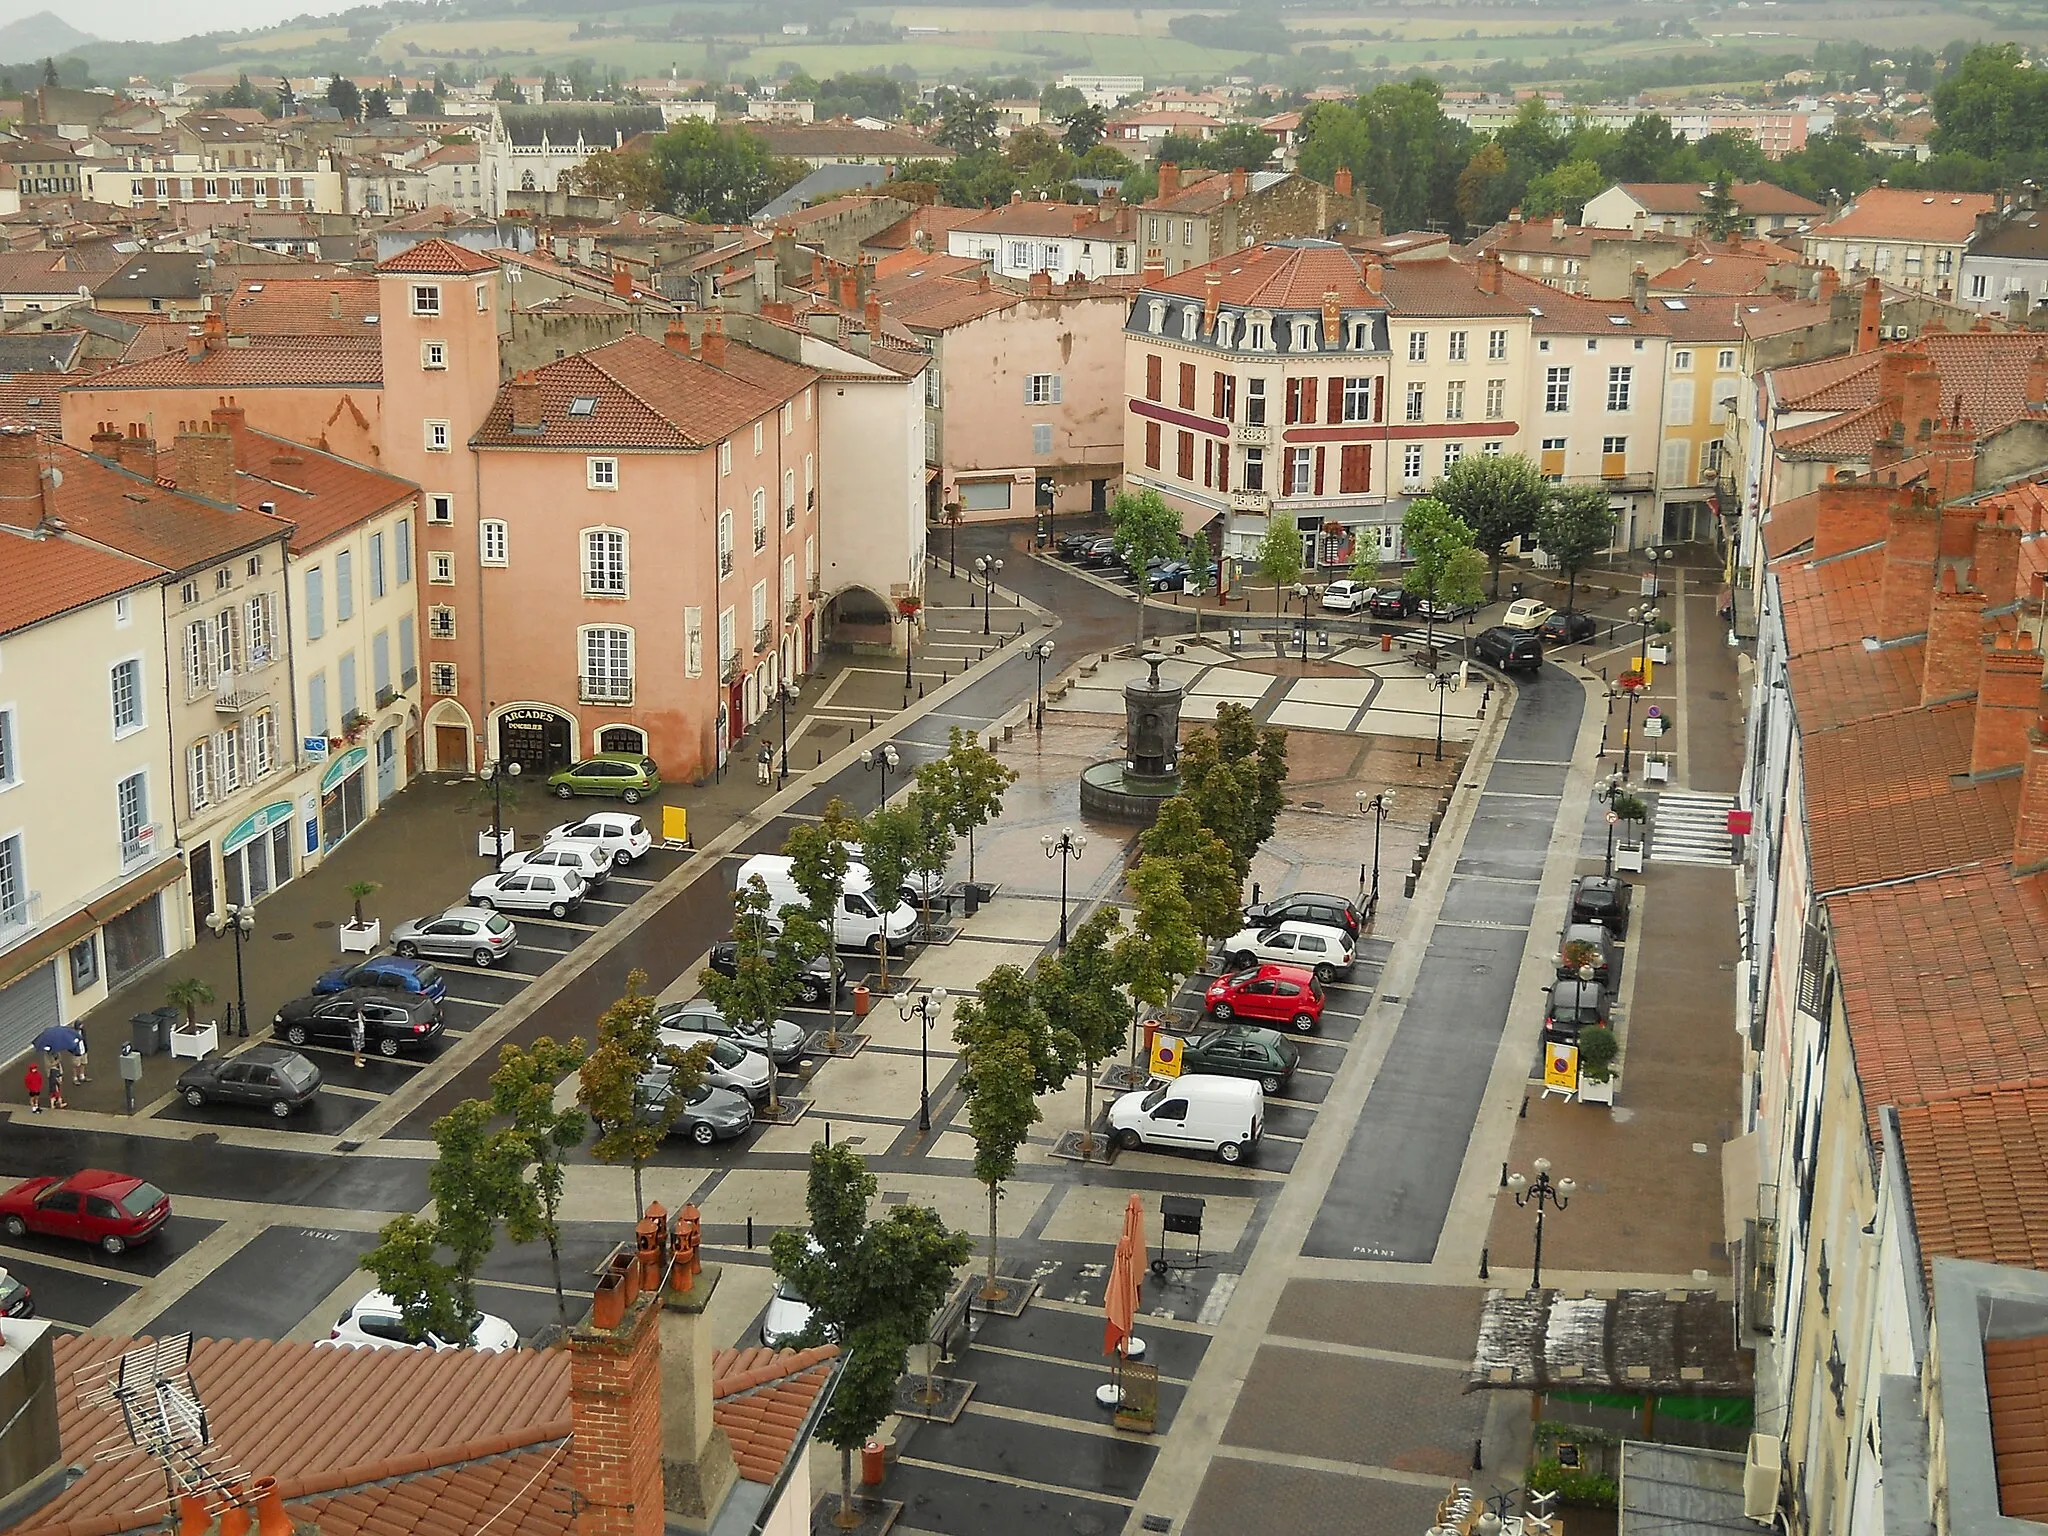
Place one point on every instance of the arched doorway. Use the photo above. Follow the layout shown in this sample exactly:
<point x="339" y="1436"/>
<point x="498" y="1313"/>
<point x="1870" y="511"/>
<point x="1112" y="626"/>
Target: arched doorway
<point x="540" y="740"/>
<point x="448" y="739"/>
<point x="859" y="619"/>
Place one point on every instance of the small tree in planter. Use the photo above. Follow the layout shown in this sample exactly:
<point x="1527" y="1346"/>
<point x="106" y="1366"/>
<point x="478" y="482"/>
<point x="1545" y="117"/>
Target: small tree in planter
<point x="189" y="994"/>
<point x="1632" y="812"/>
<point x="1598" y="1051"/>
<point x="360" y="891"/>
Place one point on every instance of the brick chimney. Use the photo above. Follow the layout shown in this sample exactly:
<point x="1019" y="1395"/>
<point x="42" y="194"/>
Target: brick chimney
<point x="138" y="452"/>
<point x="1557" y="226"/>
<point x="1169" y="178"/>
<point x="1333" y="318"/>
<point x="229" y="417"/>
<point x="525" y="392"/>
<point x="21" y="477"/>
<point x="1155" y="269"/>
<point x="1489" y="272"/>
<point x="1957" y="547"/>
<point x="1850" y="514"/>
<point x="711" y="345"/>
<point x="2037" y="380"/>
<point x="1867" y="317"/>
<point x="1016" y="196"/>
<point x="1341" y="182"/>
<point x="2008" y="702"/>
<point x="622" y="281"/>
<point x="615" y="1442"/>
<point x="1041" y="284"/>
<point x="1826" y="285"/>
<point x="1953" y="474"/>
<point x="334" y="303"/>
<point x="677" y="338"/>
<point x="106" y="442"/>
<point x="1889" y="450"/>
<point x="817" y="272"/>
<point x="1912" y="535"/>
<point x="1921" y="408"/>
<point x="1995" y="562"/>
<point x="697" y="1464"/>
<point x="849" y="289"/>
<point x="1375" y="275"/>
<point x="1639" y="288"/>
<point x="1955" y="641"/>
<point x="1212" y="298"/>
<point x="206" y="462"/>
<point x="2030" y="838"/>
<point x="1240" y="182"/>
<point x="874" y="312"/>
<point x="864" y="277"/>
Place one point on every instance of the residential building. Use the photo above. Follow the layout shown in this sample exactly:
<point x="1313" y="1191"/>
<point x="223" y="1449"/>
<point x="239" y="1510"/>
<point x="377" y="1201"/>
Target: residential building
<point x="1138" y="126"/>
<point x="1906" y="237"/>
<point x="40" y="280"/>
<point x="844" y="142"/>
<point x="1195" y="219"/>
<point x="1105" y="91"/>
<point x="1677" y="208"/>
<point x="2006" y="256"/>
<point x="1019" y="238"/>
<point x="1702" y="386"/>
<point x="165" y="183"/>
<point x="39" y="168"/>
<point x="173" y="284"/>
<point x="528" y="148"/>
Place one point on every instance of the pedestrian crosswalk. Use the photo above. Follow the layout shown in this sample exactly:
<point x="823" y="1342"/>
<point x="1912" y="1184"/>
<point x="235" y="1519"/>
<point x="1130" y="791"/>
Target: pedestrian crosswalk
<point x="1691" y="829"/>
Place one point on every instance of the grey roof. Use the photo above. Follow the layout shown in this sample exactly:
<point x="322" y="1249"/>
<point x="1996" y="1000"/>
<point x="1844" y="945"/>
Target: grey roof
<point x="598" y="124"/>
<point x="157" y="275"/>
<point x="827" y="181"/>
<point x="2022" y="238"/>
<point x="1679" y="1342"/>
<point x="40" y="351"/>
<point x="1678" y="1488"/>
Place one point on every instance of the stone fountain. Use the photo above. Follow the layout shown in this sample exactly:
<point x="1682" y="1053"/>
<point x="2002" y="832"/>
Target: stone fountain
<point x="1133" y="787"/>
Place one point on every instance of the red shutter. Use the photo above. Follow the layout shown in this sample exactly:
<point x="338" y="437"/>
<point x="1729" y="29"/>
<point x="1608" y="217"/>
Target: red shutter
<point x="1223" y="466"/>
<point x="1208" y="461"/>
<point x="1151" y="445"/>
<point x="1320" y="452"/>
<point x="1293" y="401"/>
<point x="1216" y="397"/>
<point x="1152" y="376"/>
<point x="1355" y="469"/>
<point x="1336" y="410"/>
<point x="1184" y="459"/>
<point x="1187" y="386"/>
<point x="1308" y="400"/>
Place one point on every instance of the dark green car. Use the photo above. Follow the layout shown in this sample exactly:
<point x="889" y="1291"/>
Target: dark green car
<point x="1243" y="1051"/>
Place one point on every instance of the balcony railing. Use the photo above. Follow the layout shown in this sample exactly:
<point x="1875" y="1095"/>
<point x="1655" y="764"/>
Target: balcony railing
<point x="1255" y="502"/>
<point x="725" y="562"/>
<point x="1252" y="436"/>
<point x="605" y="690"/>
<point x="233" y="695"/>
<point x="761" y="636"/>
<point x="140" y="848"/>
<point x="385" y="695"/>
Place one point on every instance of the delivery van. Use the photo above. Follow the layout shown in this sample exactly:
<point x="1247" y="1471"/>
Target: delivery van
<point x="858" y="920"/>
<point x="1222" y="1115"/>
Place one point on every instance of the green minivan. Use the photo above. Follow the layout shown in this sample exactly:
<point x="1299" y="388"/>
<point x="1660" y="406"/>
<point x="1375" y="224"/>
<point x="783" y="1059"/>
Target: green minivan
<point x="624" y="775"/>
<point x="1243" y="1051"/>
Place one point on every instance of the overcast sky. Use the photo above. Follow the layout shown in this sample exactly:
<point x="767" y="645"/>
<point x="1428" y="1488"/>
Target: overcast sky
<point x="155" y="21"/>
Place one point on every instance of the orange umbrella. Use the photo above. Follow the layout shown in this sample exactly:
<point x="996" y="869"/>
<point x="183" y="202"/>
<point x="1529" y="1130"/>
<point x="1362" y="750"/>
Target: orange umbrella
<point x="1120" y="1300"/>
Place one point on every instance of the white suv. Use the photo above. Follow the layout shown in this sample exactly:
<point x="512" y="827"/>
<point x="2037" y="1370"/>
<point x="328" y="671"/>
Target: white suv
<point x="1326" y="951"/>
<point x="614" y="835"/>
<point x="1347" y="596"/>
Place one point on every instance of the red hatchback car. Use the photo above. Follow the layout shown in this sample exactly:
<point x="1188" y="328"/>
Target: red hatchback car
<point x="1278" y="994"/>
<point x="113" y="1210"/>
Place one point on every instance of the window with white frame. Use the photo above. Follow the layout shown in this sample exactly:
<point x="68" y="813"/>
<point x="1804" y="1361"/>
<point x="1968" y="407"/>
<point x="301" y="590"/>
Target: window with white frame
<point x="426" y="298"/>
<point x="810" y="562"/>
<point x="725" y="457"/>
<point x="728" y="644"/>
<point x="788" y="417"/>
<point x="13" y="884"/>
<point x="1496" y="399"/>
<point x="1557" y="390"/>
<point x="693" y="642"/>
<point x="377" y="577"/>
<point x="1618" y="387"/>
<point x="199" y="773"/>
<point x="1418" y="346"/>
<point x="437" y="436"/>
<point x="125" y="679"/>
<point x="1679" y="399"/>
<point x="789" y="498"/>
<point x="1042" y="389"/>
<point x="1454" y="346"/>
<point x="1613" y="447"/>
<point x="433" y="354"/>
<point x="10" y="757"/>
<point x="1414" y="409"/>
<point x="440" y="622"/>
<point x="1724" y="360"/>
<point x="440" y="508"/>
<point x="607" y="664"/>
<point x="932" y="396"/>
<point x="441" y="569"/>
<point x="124" y="612"/>
<point x="1491" y="450"/>
<point x="604" y="562"/>
<point x="401" y="549"/>
<point x="1710" y="458"/>
<point x="493" y="541"/>
<point x="1254" y="478"/>
<point x="759" y="439"/>
<point x="441" y="678"/>
<point x="725" y="543"/>
<point x="263" y="757"/>
<point x="760" y="521"/>
<point x="1454" y="400"/>
<point x="1452" y="453"/>
<point x="1681" y="361"/>
<point x="1411" y="463"/>
<point x="1041" y="438"/>
<point x="601" y="474"/>
<point x="1496" y="346"/>
<point x="791" y="594"/>
<point x="760" y="600"/>
<point x="810" y="480"/>
<point x="1300" y="470"/>
<point x="1358" y="399"/>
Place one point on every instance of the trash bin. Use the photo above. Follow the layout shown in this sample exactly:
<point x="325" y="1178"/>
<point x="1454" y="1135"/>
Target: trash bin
<point x="1386" y="639"/>
<point x="871" y="1464"/>
<point x="151" y="1031"/>
<point x="860" y="1001"/>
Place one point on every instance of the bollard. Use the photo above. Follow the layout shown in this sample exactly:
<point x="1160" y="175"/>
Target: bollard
<point x="1477" y="1464"/>
<point x="1482" y="1265"/>
<point x="920" y="690"/>
<point x="1504" y="1166"/>
<point x="821" y="757"/>
<point x="1522" y="1116"/>
<point x="750" y="1234"/>
<point x="1408" y="886"/>
<point x="871" y="720"/>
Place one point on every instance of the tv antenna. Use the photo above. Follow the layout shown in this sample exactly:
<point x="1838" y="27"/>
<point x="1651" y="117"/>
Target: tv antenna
<point x="159" y="1418"/>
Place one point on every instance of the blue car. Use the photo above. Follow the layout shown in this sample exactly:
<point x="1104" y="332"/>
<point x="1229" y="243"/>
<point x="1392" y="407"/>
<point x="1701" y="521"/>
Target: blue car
<point x="392" y="971"/>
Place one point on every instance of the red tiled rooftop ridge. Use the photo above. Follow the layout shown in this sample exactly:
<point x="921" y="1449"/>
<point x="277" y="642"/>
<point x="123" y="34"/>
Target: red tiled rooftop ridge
<point x="435" y="256"/>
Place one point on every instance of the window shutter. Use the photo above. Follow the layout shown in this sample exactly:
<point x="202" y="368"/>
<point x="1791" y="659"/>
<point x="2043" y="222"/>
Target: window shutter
<point x="1223" y="466"/>
<point x="1813" y="964"/>
<point x="1336" y="403"/>
<point x="1152" y="368"/>
<point x="1320" y="452"/>
<point x="1216" y="396"/>
<point x="1056" y="381"/>
<point x="1293" y="401"/>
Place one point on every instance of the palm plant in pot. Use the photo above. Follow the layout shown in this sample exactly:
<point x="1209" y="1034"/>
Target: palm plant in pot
<point x="357" y="935"/>
<point x="1632" y="812"/>
<point x="1598" y="1052"/>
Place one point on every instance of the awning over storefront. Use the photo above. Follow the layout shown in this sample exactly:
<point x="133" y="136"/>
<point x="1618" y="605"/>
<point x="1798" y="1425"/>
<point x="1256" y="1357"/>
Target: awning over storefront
<point x="1193" y="519"/>
<point x="61" y="935"/>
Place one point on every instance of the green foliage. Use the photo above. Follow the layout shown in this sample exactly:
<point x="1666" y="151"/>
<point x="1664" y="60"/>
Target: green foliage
<point x="1238" y="147"/>
<point x="631" y="1121"/>
<point x="1010" y="1052"/>
<point x="407" y="1271"/>
<point x="871" y="1286"/>
<point x="1082" y="128"/>
<point x="1564" y="191"/>
<point x="422" y="103"/>
<point x="967" y="121"/>
<point x="358" y="892"/>
<point x="376" y="104"/>
<point x="1164" y="944"/>
<point x="717" y="172"/>
<point x="1365" y="560"/>
<point x="1145" y="529"/>
<point x="819" y="853"/>
<point x="1205" y="872"/>
<point x="1434" y="536"/>
<point x="1498" y="499"/>
<point x="766" y="964"/>
<point x="1081" y="987"/>
<point x="1597" y="1050"/>
<point x="523" y="1091"/>
<point x="189" y="994"/>
<point x="1720" y="213"/>
<point x="1575" y="525"/>
<point x="1402" y="150"/>
<point x="1006" y="1004"/>
<point x="1588" y="1490"/>
<point x="345" y="98"/>
<point x="1631" y="808"/>
<point x="629" y="177"/>
<point x="1280" y="557"/>
<point x="1232" y="775"/>
<point x="967" y="783"/>
<point x="504" y="90"/>
<point x="887" y="839"/>
<point x="932" y="849"/>
<point x="475" y="1182"/>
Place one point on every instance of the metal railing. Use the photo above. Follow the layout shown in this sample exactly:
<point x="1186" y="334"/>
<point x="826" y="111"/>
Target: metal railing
<point x="605" y="690"/>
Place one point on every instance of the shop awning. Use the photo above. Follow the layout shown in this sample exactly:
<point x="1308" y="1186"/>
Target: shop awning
<point x="67" y="931"/>
<point x="1194" y="519"/>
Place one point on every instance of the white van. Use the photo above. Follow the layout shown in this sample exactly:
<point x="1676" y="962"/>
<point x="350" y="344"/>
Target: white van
<point x="857" y="922"/>
<point x="1211" y="1114"/>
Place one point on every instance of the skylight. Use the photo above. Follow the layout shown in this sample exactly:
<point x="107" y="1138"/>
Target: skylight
<point x="582" y="405"/>
<point x="1674" y="303"/>
<point x="1618" y="320"/>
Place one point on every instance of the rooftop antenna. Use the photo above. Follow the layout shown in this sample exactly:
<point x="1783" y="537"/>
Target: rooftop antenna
<point x="159" y="1419"/>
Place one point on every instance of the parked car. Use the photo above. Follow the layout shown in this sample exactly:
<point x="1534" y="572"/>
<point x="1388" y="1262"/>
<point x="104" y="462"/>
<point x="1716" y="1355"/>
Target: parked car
<point x="1166" y="576"/>
<point x="1307" y="907"/>
<point x="626" y="775"/>
<point x="375" y="1322"/>
<point x="1324" y="950"/>
<point x="1284" y="994"/>
<point x="1180" y="576"/>
<point x="1443" y="611"/>
<point x="1572" y="1005"/>
<point x="1348" y="596"/>
<point x="264" y="1076"/>
<point x="1568" y="626"/>
<point x="481" y="937"/>
<point x="702" y="1016"/>
<point x="584" y="858"/>
<point x="1070" y="544"/>
<point x="813" y="983"/>
<point x="1391" y="603"/>
<point x="113" y="1211"/>
<point x="1223" y="1115"/>
<point x="1510" y="650"/>
<point x="788" y="1314"/>
<point x="622" y="838"/>
<point x="16" y="1299"/>
<point x="1596" y="938"/>
<point x="1240" y="1050"/>
<point x="706" y="1113"/>
<point x="1527" y="613"/>
<point x="401" y="973"/>
<point x="392" y="1021"/>
<point x="1602" y="899"/>
<point x="728" y="1063"/>
<point x="557" y="892"/>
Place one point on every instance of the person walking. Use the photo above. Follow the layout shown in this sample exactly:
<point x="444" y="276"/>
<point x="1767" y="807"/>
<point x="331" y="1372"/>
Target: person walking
<point x="78" y="1062"/>
<point x="32" y="1081"/>
<point x="56" y="1083"/>
<point x="356" y="1032"/>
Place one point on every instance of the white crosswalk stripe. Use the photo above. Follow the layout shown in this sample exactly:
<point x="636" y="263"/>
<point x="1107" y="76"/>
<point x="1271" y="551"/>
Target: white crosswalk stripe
<point x="1691" y="829"/>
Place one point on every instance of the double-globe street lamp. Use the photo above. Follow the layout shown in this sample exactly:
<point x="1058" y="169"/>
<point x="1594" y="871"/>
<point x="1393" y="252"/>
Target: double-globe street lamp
<point x="925" y="1009"/>
<point x="1380" y="806"/>
<point x="1611" y="786"/>
<point x="1541" y="1192"/>
<point x="1041" y="653"/>
<point x="495" y="775"/>
<point x="1067" y="849"/>
<point x="238" y="920"/>
<point x="785" y="690"/>
<point x="887" y="760"/>
<point x="987" y="566"/>
<point x="1441" y="683"/>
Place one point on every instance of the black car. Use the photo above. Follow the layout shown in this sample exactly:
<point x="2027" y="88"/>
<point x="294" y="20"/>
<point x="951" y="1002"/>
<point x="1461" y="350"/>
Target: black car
<point x="15" y="1298"/>
<point x="813" y="984"/>
<point x="1306" y="907"/>
<point x="1572" y="1005"/>
<point x="1100" y="550"/>
<point x="1604" y="900"/>
<point x="1568" y="626"/>
<point x="265" y="1076"/>
<point x="392" y="1021"/>
<point x="1391" y="603"/>
<point x="1508" y="649"/>
<point x="1071" y="544"/>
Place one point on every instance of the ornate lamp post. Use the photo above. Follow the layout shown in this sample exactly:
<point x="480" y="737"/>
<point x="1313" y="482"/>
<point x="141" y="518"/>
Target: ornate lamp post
<point x="1440" y="683"/>
<point x="785" y="690"/>
<point x="1041" y="653"/>
<point x="1380" y="806"/>
<point x="1614" y="784"/>
<point x="925" y="1009"/>
<point x="1067" y="849"/>
<point x="887" y="760"/>
<point x="1542" y="1192"/>
<point x="237" y="920"/>
<point x="495" y="774"/>
<point x="987" y="566"/>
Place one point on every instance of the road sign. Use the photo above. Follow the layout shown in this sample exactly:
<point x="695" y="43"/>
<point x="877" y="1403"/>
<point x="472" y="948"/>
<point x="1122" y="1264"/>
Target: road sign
<point x="313" y="747"/>
<point x="1560" y="1066"/>
<point x="1166" y="1055"/>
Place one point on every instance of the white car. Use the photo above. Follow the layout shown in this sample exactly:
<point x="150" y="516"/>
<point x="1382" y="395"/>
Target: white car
<point x="788" y="1313"/>
<point x="1326" y="951"/>
<point x="1526" y="613"/>
<point x="376" y="1323"/>
<point x="557" y="892"/>
<point x="1347" y="596"/>
<point x="731" y="1065"/>
<point x="615" y="835"/>
<point x="594" y="867"/>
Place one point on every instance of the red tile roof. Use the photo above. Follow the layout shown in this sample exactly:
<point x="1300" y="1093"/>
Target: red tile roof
<point x="31" y="400"/>
<point x="43" y="578"/>
<point x="437" y="257"/>
<point x="761" y="1397"/>
<point x="291" y="305"/>
<point x="1755" y="197"/>
<point x="1048" y="219"/>
<point x="515" y="1493"/>
<point x="933" y="221"/>
<point x="1559" y="313"/>
<point x="1293" y="276"/>
<point x="2016" y="1381"/>
<point x="320" y="493"/>
<point x="1439" y="286"/>
<point x="1985" y="1156"/>
<point x="1986" y="371"/>
<point x="289" y="362"/>
<point x="1897" y="213"/>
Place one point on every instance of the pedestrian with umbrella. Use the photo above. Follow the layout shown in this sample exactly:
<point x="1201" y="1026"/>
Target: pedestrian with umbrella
<point x="61" y="1040"/>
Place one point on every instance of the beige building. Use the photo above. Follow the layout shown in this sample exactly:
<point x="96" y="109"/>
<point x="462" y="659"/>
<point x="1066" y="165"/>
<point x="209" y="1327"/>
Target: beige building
<point x="1906" y="237"/>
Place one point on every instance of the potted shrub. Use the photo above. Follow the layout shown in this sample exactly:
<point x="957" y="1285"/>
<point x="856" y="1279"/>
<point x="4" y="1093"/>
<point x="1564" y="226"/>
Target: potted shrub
<point x="359" y="935"/>
<point x="192" y="1039"/>
<point x="1598" y="1052"/>
<point x="1660" y="645"/>
<point x="1577" y="955"/>
<point x="1629" y="850"/>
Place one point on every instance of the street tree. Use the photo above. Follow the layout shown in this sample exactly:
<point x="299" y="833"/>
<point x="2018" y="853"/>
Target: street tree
<point x="818" y="859"/>
<point x="1081" y="987"/>
<point x="872" y="1287"/>
<point x="967" y="122"/>
<point x="376" y="104"/>
<point x="1232" y="775"/>
<point x="769" y="955"/>
<point x="421" y="102"/>
<point x="1207" y="872"/>
<point x="932" y="849"/>
<point x="523" y="1091"/>
<point x="1164" y="946"/>
<point x="1498" y="498"/>
<point x="1434" y="536"/>
<point x="969" y="781"/>
<point x="345" y="97"/>
<point x="1720" y="210"/>
<point x="715" y="171"/>
<point x="1242" y="741"/>
<point x="621" y="1086"/>
<point x="1145" y="529"/>
<point x="887" y="838"/>
<point x="1280" y="559"/>
<point x="1084" y="128"/>
<point x="1577" y="524"/>
<point x="406" y="1268"/>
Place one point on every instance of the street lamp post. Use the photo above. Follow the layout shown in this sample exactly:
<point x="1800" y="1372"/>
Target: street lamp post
<point x="1381" y="806"/>
<point x="785" y="690"/>
<point x="495" y="774"/>
<point x="1067" y="849"/>
<point x="886" y="759"/>
<point x="1301" y="591"/>
<point x="1041" y="653"/>
<point x="926" y="1008"/>
<point x="1440" y="683"/>
<point x="1543" y="1192"/>
<point x="987" y="566"/>
<point x="1646" y="616"/>
<point x="238" y="920"/>
<point x="1611" y="786"/>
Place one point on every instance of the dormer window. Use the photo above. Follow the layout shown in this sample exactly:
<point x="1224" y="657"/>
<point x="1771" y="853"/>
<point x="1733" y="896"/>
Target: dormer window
<point x="1226" y="325"/>
<point x="1190" y="322"/>
<point x="1361" y="334"/>
<point x="1255" y="336"/>
<point x="1155" y="316"/>
<point x="426" y="298"/>
<point x="1304" y="335"/>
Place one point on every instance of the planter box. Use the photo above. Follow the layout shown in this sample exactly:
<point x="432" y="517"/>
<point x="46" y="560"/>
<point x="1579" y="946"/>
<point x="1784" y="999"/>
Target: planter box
<point x="1629" y="856"/>
<point x="488" y="848"/>
<point x="1657" y="766"/>
<point x="194" y="1041"/>
<point x="1660" y="654"/>
<point x="1591" y="1092"/>
<point x="363" y="940"/>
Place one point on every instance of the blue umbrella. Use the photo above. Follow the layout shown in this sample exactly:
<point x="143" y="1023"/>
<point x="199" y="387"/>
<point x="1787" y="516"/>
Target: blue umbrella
<point x="60" y="1037"/>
